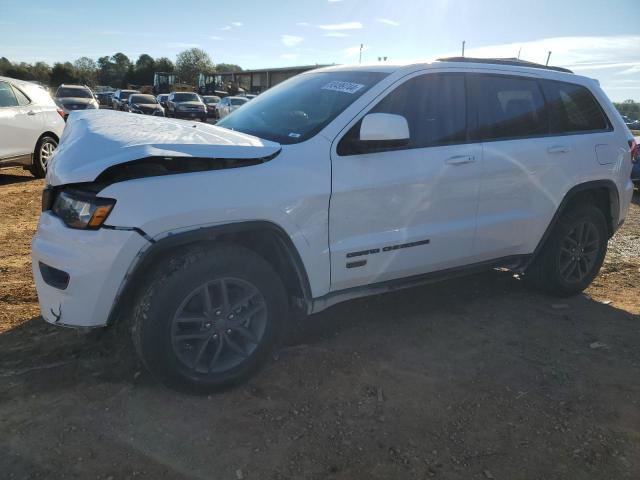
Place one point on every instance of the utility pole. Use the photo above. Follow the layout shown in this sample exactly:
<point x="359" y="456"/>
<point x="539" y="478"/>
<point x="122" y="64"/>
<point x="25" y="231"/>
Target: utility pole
<point x="360" y="59"/>
<point x="519" y="51"/>
<point x="463" y="42"/>
<point x="548" y="57"/>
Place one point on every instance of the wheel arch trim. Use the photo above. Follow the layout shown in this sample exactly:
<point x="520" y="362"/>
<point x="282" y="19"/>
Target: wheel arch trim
<point x="614" y="205"/>
<point x="147" y="257"/>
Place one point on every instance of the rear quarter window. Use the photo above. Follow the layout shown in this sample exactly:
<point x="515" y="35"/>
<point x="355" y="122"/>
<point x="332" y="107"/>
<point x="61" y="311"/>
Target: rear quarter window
<point x="573" y="109"/>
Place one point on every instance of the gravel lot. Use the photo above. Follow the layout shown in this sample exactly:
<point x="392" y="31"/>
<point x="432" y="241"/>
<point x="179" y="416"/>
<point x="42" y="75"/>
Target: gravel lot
<point x="475" y="378"/>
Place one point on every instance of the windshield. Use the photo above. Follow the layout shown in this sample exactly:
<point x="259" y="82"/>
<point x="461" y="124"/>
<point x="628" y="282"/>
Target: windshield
<point x="66" y="92"/>
<point x="297" y="109"/>
<point x="185" y="97"/>
<point x="142" y="99"/>
<point x="210" y="100"/>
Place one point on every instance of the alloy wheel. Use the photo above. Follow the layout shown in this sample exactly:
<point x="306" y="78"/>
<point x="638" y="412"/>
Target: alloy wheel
<point x="579" y="252"/>
<point x="219" y="325"/>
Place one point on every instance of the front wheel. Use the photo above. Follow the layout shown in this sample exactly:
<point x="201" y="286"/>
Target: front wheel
<point x="209" y="318"/>
<point x="573" y="254"/>
<point x="42" y="154"/>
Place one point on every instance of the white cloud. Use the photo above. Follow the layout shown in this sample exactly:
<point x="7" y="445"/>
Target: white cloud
<point x="289" y="56"/>
<point x="341" y="26"/>
<point x="237" y="24"/>
<point x="290" y="40"/>
<point x="335" y="34"/>
<point x="226" y="27"/>
<point x="388" y="21"/>
<point x="576" y="53"/>
<point x="183" y="45"/>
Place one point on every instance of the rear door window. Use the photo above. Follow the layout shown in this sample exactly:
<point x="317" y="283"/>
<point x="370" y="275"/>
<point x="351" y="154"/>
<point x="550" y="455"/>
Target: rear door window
<point x="507" y="107"/>
<point x="434" y="106"/>
<point x="7" y="97"/>
<point x="573" y="109"/>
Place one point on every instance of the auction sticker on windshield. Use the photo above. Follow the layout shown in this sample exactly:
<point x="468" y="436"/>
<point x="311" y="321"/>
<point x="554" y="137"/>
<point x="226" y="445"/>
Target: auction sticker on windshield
<point x="346" y="87"/>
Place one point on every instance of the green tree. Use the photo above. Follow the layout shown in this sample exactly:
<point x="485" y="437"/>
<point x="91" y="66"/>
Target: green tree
<point x="190" y="63"/>
<point x="86" y="70"/>
<point x="163" y="64"/>
<point x="41" y="72"/>
<point x="121" y="64"/>
<point x="63" y="73"/>
<point x="228" y="67"/>
<point x="145" y="66"/>
<point x="5" y="65"/>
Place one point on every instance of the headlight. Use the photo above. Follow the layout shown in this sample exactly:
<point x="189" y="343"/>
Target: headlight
<point x="82" y="210"/>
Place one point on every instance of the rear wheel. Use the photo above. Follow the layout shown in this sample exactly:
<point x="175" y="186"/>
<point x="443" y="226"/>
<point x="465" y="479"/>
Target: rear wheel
<point x="209" y="318"/>
<point x="573" y="254"/>
<point x="42" y="154"/>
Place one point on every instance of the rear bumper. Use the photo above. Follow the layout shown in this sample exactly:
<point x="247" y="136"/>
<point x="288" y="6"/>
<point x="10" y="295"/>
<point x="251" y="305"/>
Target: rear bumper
<point x="635" y="173"/>
<point x="93" y="263"/>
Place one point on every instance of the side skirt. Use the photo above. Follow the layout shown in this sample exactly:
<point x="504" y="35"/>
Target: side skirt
<point x="517" y="263"/>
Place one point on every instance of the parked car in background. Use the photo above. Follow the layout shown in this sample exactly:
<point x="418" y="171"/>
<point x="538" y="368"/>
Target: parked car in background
<point x="104" y="98"/>
<point x="229" y="104"/>
<point x="31" y="124"/>
<point x="635" y="172"/>
<point x="632" y="124"/>
<point x="211" y="101"/>
<point x="250" y="96"/>
<point x="146" y="104"/>
<point x="186" y="105"/>
<point x="120" y="98"/>
<point x="338" y="183"/>
<point x="162" y="100"/>
<point x="71" y="98"/>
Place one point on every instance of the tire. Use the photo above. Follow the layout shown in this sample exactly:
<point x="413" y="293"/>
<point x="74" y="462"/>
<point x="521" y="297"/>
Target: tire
<point x="188" y="350"/>
<point x="573" y="254"/>
<point x="42" y="154"/>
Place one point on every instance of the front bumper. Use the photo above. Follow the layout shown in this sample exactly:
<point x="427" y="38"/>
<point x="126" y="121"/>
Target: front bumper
<point x="189" y="114"/>
<point x="97" y="263"/>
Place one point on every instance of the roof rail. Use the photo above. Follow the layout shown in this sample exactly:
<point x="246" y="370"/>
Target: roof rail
<point x="504" y="61"/>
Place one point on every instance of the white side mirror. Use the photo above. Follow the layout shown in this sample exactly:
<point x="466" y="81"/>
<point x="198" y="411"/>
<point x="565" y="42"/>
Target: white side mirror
<point x="384" y="127"/>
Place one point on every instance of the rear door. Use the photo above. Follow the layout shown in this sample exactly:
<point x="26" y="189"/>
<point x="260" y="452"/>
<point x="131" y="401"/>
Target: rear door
<point x="524" y="168"/>
<point x="411" y="209"/>
<point x="20" y="123"/>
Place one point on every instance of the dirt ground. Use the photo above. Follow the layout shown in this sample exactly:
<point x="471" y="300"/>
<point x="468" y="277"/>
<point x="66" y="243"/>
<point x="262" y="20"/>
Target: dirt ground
<point x="475" y="378"/>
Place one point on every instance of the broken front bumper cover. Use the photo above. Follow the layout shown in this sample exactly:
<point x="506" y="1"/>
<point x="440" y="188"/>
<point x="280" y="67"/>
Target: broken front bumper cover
<point x="96" y="263"/>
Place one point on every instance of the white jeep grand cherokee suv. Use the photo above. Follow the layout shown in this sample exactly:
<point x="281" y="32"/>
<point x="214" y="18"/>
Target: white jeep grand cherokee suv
<point x="338" y="183"/>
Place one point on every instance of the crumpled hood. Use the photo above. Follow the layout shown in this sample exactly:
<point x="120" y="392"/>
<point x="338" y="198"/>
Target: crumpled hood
<point x="94" y="140"/>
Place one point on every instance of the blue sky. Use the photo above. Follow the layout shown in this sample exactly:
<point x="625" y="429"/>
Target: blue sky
<point x="597" y="38"/>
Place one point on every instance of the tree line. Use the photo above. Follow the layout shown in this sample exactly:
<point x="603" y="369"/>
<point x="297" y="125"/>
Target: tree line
<point x="116" y="70"/>
<point x="629" y="108"/>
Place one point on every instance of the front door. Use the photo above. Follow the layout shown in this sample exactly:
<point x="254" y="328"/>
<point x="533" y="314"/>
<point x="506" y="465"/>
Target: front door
<point x="403" y="211"/>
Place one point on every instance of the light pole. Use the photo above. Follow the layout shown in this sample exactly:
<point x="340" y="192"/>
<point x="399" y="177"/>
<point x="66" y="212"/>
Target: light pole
<point x="360" y="59"/>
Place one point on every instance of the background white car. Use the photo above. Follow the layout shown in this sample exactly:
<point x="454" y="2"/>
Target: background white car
<point x="30" y="125"/>
<point x="229" y="104"/>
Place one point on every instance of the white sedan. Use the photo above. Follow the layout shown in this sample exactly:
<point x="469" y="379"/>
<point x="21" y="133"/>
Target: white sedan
<point x="30" y="125"/>
<point x="229" y="104"/>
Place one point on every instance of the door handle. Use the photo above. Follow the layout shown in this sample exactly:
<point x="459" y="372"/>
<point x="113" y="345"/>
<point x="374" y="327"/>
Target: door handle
<point x="559" y="149"/>
<point x="31" y="112"/>
<point x="460" y="159"/>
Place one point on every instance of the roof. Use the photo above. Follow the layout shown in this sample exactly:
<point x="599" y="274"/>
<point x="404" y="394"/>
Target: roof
<point x="516" y="62"/>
